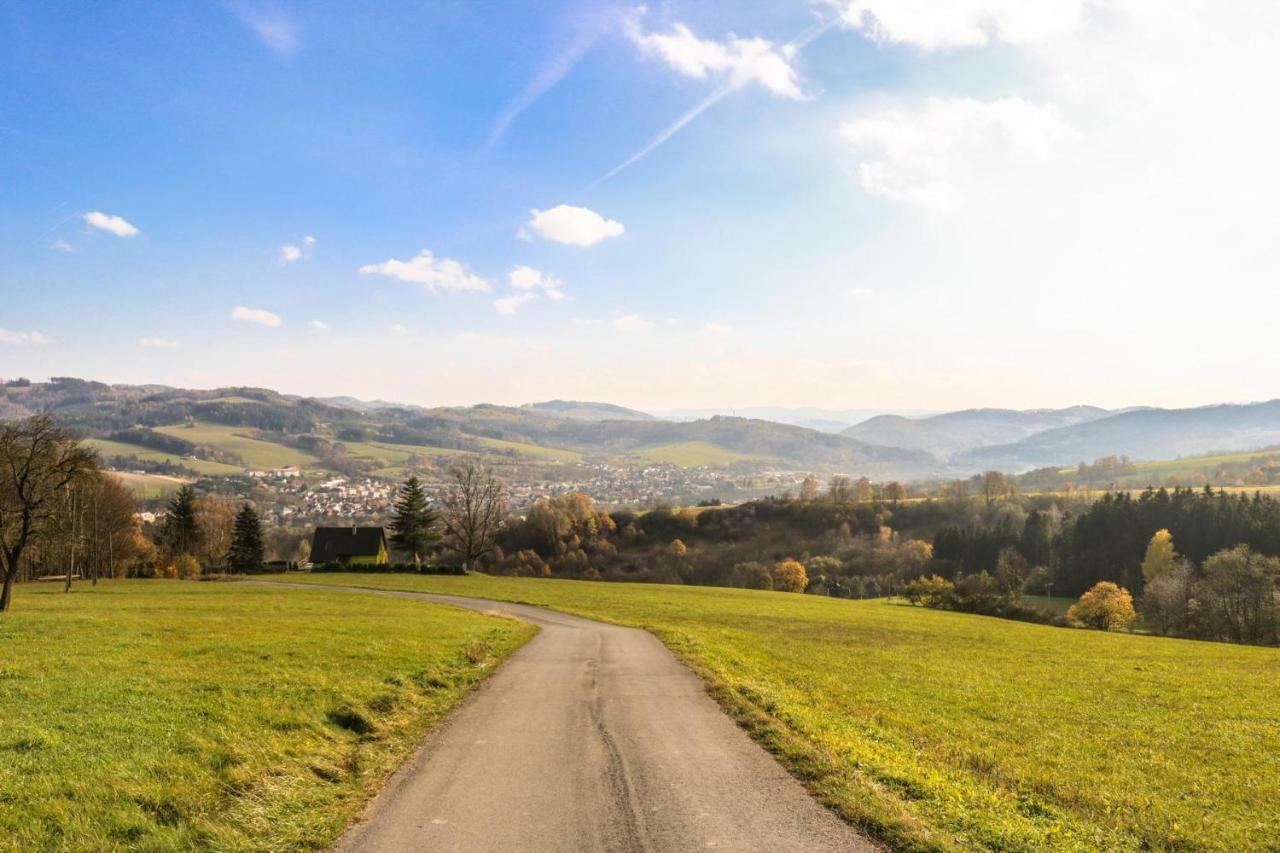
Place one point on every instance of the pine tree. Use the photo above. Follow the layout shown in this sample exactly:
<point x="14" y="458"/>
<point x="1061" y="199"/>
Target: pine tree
<point x="181" y="531"/>
<point x="246" y="543"/>
<point x="413" y="527"/>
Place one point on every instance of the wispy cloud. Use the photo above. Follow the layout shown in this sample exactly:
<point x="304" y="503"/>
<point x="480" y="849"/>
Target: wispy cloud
<point x="632" y="323"/>
<point x="255" y="315"/>
<point x="111" y="224"/>
<point x="318" y="326"/>
<point x="23" y="339"/>
<point x="269" y="24"/>
<point x="510" y="304"/>
<point x="431" y="272"/>
<point x="61" y="246"/>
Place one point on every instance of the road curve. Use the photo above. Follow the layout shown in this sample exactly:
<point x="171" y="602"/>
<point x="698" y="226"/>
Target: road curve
<point x="592" y="737"/>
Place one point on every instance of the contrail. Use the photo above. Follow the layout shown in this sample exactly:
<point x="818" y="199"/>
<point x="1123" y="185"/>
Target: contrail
<point x="545" y="80"/>
<point x="795" y="46"/>
<point x="671" y="131"/>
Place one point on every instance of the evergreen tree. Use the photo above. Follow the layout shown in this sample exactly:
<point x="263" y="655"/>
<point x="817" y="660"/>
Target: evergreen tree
<point x="246" y="543"/>
<point x="413" y="527"/>
<point x="181" y="530"/>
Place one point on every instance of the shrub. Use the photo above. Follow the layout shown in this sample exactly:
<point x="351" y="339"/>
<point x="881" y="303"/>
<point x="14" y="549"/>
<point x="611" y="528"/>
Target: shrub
<point x="932" y="591"/>
<point x="186" y="567"/>
<point x="1106" y="606"/>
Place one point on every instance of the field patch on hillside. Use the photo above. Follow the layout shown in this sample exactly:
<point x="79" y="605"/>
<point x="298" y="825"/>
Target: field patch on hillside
<point x="695" y="454"/>
<point x="256" y="452"/>
<point x="940" y="730"/>
<point x="171" y="715"/>
<point x="115" y="449"/>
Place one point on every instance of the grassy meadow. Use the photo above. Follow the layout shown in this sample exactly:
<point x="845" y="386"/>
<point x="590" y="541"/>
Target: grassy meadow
<point x="940" y="730"/>
<point x="255" y="452"/>
<point x="695" y="454"/>
<point x="110" y="449"/>
<point x="171" y="715"/>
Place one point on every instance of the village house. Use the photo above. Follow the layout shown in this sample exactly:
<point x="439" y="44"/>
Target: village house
<point x="350" y="546"/>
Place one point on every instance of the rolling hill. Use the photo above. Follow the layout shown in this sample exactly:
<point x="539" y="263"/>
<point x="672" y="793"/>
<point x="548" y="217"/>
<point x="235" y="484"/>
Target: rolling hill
<point x="579" y="411"/>
<point x="1142" y="434"/>
<point x="224" y="430"/>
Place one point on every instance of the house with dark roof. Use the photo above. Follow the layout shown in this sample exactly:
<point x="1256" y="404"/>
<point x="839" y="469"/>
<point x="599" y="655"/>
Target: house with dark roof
<point x="351" y="546"/>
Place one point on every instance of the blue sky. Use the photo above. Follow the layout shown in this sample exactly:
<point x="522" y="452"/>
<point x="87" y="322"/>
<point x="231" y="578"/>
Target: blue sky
<point x="849" y="204"/>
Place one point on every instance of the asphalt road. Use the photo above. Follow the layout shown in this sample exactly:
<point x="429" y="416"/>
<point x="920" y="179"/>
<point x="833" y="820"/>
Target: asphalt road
<point x="592" y="738"/>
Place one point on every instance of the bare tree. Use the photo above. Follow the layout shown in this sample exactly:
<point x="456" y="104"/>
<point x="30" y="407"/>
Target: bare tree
<point x="472" y="509"/>
<point x="38" y="462"/>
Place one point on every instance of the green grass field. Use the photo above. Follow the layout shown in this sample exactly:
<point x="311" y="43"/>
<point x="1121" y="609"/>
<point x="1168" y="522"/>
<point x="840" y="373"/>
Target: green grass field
<point x="533" y="451"/>
<point x="110" y="449"/>
<point x="148" y="486"/>
<point x="171" y="715"/>
<point x="940" y="730"/>
<point x="693" y="454"/>
<point x="256" y="453"/>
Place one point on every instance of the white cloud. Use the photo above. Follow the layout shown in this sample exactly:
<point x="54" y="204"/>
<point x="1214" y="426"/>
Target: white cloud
<point x="574" y="226"/>
<point x="936" y="154"/>
<point x="109" y="223"/>
<point x="270" y="26"/>
<point x="23" y="339"/>
<point x="61" y="246"/>
<point x="317" y="325"/>
<point x="632" y="323"/>
<point x="510" y="304"/>
<point x="291" y="252"/>
<point x="255" y="315"/>
<point x="718" y="329"/>
<point x="158" y="343"/>
<point x="400" y="328"/>
<point x="949" y="24"/>
<point x="738" y="61"/>
<point x="431" y="272"/>
<point x="528" y="278"/>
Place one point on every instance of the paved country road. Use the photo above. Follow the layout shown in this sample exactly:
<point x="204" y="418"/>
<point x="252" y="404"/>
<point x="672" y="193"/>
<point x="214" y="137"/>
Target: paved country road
<point x="591" y="738"/>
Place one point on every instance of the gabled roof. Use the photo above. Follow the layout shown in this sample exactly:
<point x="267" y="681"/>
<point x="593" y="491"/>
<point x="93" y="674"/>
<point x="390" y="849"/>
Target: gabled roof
<point x="333" y="543"/>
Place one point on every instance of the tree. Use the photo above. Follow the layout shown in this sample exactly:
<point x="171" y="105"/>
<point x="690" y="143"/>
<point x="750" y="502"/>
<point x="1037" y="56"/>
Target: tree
<point x="677" y="548"/>
<point x="789" y="576"/>
<point x="38" y="462"/>
<point x="895" y="491"/>
<point x="1238" y="598"/>
<point x="1105" y="606"/>
<point x="1011" y="571"/>
<point x="863" y="491"/>
<point x="247" y="551"/>
<point x="1165" y="598"/>
<point x="840" y="489"/>
<point x="996" y="486"/>
<point x="809" y="488"/>
<point x="1160" y="558"/>
<point x="181" y="531"/>
<point x="472" y="511"/>
<point x="413" y="526"/>
<point x="216" y="523"/>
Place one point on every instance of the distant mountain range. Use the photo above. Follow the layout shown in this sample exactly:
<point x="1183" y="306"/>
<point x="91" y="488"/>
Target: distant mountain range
<point x="379" y="435"/>
<point x="952" y="432"/>
<point x="1141" y="434"/>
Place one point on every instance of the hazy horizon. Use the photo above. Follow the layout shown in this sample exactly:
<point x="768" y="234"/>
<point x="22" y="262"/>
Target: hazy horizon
<point x="839" y="204"/>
